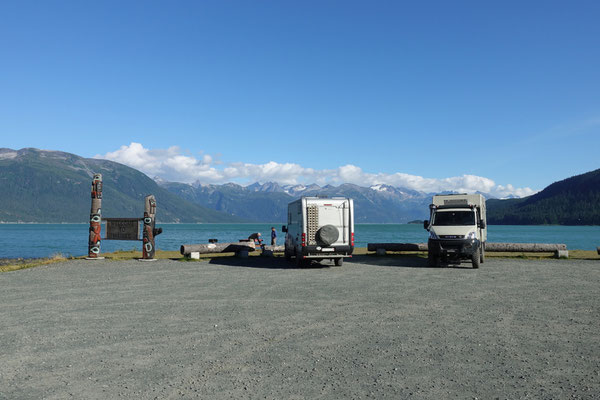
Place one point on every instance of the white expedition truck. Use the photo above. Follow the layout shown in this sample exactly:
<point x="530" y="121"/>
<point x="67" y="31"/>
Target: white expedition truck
<point x="457" y="229"/>
<point x="319" y="228"/>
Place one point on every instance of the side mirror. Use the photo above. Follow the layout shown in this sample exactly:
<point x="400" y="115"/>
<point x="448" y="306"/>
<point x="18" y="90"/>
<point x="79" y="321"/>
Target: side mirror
<point x="283" y="228"/>
<point x="426" y="224"/>
<point x="482" y="224"/>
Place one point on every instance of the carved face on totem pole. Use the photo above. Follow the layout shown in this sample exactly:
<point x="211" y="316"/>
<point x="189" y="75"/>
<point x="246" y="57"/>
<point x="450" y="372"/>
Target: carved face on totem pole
<point x="95" y="217"/>
<point x="148" y="233"/>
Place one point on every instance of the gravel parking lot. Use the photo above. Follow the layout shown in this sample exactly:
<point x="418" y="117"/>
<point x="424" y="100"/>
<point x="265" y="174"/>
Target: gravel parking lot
<point x="384" y="327"/>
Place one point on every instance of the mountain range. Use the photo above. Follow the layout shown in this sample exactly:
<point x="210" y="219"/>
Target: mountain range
<point x="268" y="202"/>
<point x="53" y="186"/>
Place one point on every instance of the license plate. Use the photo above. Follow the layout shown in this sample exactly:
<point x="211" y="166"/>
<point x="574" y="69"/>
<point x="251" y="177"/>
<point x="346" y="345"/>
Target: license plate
<point x="327" y="249"/>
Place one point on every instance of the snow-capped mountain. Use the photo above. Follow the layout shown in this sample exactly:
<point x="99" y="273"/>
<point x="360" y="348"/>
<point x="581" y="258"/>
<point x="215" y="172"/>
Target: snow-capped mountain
<point x="268" y="201"/>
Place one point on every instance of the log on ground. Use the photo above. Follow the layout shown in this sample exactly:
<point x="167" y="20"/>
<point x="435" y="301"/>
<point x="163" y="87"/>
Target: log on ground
<point x="526" y="247"/>
<point x="275" y="249"/>
<point x="207" y="248"/>
<point x="490" y="247"/>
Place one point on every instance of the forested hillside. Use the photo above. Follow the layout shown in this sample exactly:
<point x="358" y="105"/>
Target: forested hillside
<point x="51" y="186"/>
<point x="573" y="201"/>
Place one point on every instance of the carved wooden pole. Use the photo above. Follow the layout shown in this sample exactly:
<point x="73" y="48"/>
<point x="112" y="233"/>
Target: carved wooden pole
<point x="149" y="221"/>
<point x="95" y="217"/>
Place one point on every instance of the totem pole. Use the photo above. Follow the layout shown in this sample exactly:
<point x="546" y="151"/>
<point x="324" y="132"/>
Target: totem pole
<point x="149" y="231"/>
<point x="95" y="217"/>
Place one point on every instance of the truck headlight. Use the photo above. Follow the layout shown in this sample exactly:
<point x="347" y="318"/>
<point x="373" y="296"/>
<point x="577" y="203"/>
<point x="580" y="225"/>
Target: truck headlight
<point x="432" y="235"/>
<point x="471" y="235"/>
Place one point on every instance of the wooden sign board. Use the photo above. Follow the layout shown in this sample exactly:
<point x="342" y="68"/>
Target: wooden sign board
<point x="122" y="228"/>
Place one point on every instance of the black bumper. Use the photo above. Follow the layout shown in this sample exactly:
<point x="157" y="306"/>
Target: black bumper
<point x="461" y="248"/>
<point x="317" y="251"/>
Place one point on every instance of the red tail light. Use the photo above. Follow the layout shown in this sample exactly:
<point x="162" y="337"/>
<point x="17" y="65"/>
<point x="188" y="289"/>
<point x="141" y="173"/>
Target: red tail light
<point x="352" y="239"/>
<point x="303" y="239"/>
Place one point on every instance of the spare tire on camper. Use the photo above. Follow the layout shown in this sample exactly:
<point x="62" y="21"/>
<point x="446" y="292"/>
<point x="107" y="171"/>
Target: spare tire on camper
<point x="327" y="235"/>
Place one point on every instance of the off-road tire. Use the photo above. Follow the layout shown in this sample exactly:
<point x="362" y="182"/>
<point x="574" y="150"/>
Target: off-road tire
<point x="482" y="256"/>
<point x="432" y="261"/>
<point x="338" y="261"/>
<point x="475" y="258"/>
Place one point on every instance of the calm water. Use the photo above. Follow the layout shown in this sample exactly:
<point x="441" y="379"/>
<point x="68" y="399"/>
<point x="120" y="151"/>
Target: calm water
<point x="43" y="240"/>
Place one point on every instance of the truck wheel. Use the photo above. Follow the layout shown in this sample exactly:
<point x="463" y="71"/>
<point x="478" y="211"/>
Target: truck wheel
<point x="431" y="260"/>
<point x="300" y="261"/>
<point x="287" y="255"/>
<point x="475" y="258"/>
<point x="338" y="262"/>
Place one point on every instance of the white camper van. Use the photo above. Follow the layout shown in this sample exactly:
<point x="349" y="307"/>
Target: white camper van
<point x="319" y="228"/>
<point x="457" y="229"/>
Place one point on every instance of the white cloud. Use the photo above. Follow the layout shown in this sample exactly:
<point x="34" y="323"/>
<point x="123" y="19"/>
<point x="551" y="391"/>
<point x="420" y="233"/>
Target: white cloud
<point x="171" y="165"/>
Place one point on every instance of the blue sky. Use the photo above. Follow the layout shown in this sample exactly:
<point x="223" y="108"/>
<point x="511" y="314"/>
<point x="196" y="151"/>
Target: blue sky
<point x="423" y="94"/>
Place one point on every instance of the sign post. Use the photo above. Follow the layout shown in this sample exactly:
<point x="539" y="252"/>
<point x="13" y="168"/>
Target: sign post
<point x="122" y="228"/>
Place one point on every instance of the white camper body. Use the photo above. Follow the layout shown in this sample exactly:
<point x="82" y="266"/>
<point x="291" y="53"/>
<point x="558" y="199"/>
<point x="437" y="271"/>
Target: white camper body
<point x="319" y="228"/>
<point x="457" y="228"/>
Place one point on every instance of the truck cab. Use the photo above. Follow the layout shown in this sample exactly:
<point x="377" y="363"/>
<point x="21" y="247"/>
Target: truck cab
<point x="319" y="228"/>
<point x="457" y="229"/>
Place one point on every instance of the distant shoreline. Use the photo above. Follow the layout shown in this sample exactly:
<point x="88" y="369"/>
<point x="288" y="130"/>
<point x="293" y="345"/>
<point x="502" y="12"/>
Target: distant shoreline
<point x="267" y="223"/>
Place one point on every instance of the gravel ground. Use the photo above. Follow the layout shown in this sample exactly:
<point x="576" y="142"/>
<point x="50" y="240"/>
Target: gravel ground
<point x="231" y="328"/>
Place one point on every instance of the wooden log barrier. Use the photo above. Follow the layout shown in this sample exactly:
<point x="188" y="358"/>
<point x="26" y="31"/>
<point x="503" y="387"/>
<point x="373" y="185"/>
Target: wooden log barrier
<point x="526" y="247"/>
<point x="493" y="247"/>
<point x="187" y="249"/>
<point x="95" y="217"/>
<point x="559" y="249"/>
<point x="274" y="249"/>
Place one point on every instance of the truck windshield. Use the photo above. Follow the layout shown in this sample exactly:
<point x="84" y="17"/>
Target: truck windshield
<point x="453" y="218"/>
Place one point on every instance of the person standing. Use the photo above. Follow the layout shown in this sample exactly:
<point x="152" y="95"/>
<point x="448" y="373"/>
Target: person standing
<point x="273" y="236"/>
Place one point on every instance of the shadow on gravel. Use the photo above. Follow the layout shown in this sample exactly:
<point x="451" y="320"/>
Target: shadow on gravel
<point x="264" y="262"/>
<point x="402" y="261"/>
<point x="397" y="261"/>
